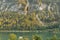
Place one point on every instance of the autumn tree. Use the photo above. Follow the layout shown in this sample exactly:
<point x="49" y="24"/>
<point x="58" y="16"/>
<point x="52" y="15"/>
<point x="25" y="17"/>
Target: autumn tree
<point x="12" y="37"/>
<point x="54" y="37"/>
<point x="36" y="37"/>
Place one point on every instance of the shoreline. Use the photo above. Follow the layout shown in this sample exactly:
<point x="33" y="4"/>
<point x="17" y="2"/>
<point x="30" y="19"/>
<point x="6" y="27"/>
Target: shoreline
<point x="27" y="31"/>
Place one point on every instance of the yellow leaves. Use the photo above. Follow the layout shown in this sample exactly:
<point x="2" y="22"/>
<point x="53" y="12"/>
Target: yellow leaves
<point x="16" y="19"/>
<point x="27" y="21"/>
<point x="33" y="14"/>
<point x="8" y="25"/>
<point x="41" y="23"/>
<point x="22" y="2"/>
<point x="13" y="22"/>
<point x="40" y="2"/>
<point x="13" y="37"/>
<point x="1" y="19"/>
<point x="0" y="23"/>
<point x="30" y="20"/>
<point x="51" y="19"/>
<point x="19" y="20"/>
<point x="26" y="38"/>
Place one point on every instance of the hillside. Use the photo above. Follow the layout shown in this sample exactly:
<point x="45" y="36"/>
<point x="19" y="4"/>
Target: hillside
<point x="29" y="15"/>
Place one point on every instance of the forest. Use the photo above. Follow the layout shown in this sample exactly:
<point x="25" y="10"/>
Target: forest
<point x="37" y="16"/>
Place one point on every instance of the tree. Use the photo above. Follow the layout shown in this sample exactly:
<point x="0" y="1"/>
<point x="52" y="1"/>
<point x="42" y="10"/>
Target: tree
<point x="36" y="37"/>
<point x="26" y="38"/>
<point x="13" y="37"/>
<point x="54" y="37"/>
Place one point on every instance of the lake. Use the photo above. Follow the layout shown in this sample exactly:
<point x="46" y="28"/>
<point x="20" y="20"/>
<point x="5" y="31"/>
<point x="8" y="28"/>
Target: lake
<point x="44" y="35"/>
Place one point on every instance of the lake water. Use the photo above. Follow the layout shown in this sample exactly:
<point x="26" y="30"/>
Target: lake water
<point x="44" y="35"/>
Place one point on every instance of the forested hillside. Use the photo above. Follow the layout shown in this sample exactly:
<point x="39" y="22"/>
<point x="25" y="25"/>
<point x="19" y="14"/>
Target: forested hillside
<point x="29" y="14"/>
